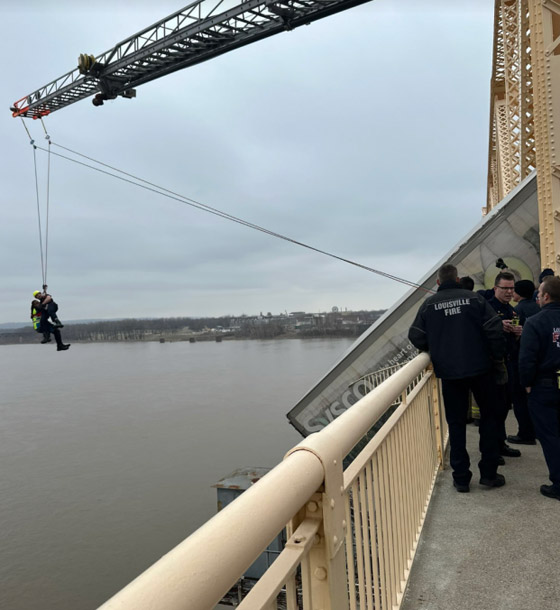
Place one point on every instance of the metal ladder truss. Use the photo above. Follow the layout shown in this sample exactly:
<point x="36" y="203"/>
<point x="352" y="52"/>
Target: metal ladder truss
<point x="190" y="36"/>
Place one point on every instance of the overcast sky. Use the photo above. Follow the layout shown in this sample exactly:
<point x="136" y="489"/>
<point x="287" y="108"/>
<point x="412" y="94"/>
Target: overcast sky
<point x="364" y="134"/>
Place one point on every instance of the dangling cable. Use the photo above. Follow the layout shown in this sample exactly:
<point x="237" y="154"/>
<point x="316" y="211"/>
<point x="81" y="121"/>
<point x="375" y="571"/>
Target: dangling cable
<point x="39" y="214"/>
<point x="48" y="138"/>
<point x="32" y="142"/>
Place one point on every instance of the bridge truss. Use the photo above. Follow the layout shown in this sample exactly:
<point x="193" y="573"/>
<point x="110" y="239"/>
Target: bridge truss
<point x="525" y="111"/>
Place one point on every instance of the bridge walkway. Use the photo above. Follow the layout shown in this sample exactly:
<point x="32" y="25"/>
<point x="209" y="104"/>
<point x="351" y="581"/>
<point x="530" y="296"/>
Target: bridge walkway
<point x="490" y="549"/>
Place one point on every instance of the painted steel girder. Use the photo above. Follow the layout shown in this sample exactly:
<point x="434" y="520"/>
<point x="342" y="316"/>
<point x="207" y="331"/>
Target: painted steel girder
<point x="512" y="52"/>
<point x="188" y="37"/>
<point x="503" y="158"/>
<point x="545" y="41"/>
<point x="511" y="154"/>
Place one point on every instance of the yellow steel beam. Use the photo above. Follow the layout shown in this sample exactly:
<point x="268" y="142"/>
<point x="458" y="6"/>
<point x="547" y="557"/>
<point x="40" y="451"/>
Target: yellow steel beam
<point x="511" y="155"/>
<point x="544" y="18"/>
<point x="525" y="111"/>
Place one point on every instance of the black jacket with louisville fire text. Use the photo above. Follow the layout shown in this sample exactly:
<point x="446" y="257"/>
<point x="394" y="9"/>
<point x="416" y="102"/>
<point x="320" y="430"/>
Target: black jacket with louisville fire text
<point x="463" y="334"/>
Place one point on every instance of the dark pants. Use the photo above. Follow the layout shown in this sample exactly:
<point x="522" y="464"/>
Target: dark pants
<point x="544" y="407"/>
<point x="456" y="400"/>
<point x="513" y="394"/>
<point x="519" y="396"/>
<point x="49" y="312"/>
<point x="46" y="328"/>
<point x="502" y="407"/>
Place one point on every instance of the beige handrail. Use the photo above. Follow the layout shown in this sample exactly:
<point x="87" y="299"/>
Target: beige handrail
<point x="310" y="492"/>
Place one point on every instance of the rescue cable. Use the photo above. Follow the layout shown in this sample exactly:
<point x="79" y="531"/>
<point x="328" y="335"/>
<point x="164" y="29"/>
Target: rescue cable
<point x="48" y="138"/>
<point x="42" y="251"/>
<point x="154" y="188"/>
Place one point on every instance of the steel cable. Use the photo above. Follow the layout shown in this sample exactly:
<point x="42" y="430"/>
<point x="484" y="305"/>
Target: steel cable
<point x="48" y="138"/>
<point x="150" y="186"/>
<point x="39" y="214"/>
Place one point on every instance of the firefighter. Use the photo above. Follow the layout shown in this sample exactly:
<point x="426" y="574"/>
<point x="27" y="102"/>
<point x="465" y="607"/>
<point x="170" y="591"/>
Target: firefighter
<point x="466" y="343"/>
<point x="539" y="373"/>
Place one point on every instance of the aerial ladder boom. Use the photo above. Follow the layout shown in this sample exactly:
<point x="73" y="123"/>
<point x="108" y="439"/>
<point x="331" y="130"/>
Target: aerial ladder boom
<point x="190" y="36"/>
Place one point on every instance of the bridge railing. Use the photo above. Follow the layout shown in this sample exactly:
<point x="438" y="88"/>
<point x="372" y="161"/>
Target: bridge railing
<point x="351" y="533"/>
<point x="372" y="379"/>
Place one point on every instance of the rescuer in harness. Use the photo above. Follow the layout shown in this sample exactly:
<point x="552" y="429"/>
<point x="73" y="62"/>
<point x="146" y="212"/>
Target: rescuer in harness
<point x="40" y="317"/>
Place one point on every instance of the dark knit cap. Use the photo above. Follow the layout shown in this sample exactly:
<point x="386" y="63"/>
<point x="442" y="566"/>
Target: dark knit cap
<point x="525" y="288"/>
<point x="544" y="273"/>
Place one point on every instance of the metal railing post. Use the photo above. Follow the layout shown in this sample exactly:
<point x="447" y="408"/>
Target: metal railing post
<point x="324" y="578"/>
<point x="437" y="410"/>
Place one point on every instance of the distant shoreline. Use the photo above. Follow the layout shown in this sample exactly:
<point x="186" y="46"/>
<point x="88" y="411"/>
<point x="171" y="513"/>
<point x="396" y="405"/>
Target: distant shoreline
<point x="296" y="325"/>
<point x="15" y="339"/>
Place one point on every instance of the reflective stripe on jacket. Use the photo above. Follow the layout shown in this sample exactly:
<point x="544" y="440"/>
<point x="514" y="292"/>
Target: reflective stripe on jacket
<point x="36" y="318"/>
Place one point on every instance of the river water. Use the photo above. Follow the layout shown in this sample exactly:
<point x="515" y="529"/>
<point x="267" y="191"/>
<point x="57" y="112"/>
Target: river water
<point x="108" y="452"/>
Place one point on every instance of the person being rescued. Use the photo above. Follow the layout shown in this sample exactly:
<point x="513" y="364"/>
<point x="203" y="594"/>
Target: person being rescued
<point x="42" y="308"/>
<point x="50" y="308"/>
